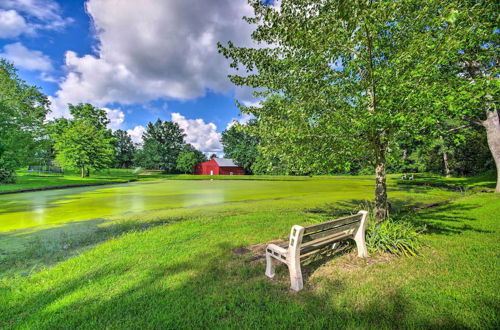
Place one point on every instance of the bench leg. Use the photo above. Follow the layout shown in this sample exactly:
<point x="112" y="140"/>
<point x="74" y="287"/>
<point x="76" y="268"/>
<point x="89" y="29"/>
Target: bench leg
<point x="361" y="245"/>
<point x="270" y="266"/>
<point x="296" y="281"/>
<point x="359" y="237"/>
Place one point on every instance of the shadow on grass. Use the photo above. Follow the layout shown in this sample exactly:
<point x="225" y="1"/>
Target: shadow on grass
<point x="215" y="289"/>
<point x="446" y="218"/>
<point x="25" y="251"/>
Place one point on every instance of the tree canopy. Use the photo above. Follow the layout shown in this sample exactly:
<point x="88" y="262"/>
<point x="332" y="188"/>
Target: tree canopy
<point x="162" y="143"/>
<point x="241" y="145"/>
<point x="188" y="158"/>
<point x="83" y="142"/>
<point x="124" y="149"/>
<point x="344" y="80"/>
<point x="22" y="111"/>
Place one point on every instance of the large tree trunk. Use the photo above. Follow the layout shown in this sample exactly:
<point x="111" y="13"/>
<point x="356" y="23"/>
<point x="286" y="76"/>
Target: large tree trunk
<point x="381" y="209"/>
<point x="492" y="125"/>
<point x="83" y="172"/>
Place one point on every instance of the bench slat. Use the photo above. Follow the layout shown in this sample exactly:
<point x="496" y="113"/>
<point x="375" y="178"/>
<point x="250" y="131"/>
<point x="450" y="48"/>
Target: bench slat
<point x="319" y="244"/>
<point x="329" y="232"/>
<point x="332" y="224"/>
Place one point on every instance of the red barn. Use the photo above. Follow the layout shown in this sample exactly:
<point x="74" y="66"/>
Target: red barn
<point x="218" y="166"/>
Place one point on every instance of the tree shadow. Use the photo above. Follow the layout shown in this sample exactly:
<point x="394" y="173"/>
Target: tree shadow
<point x="214" y="289"/>
<point x="25" y="251"/>
<point x="445" y="218"/>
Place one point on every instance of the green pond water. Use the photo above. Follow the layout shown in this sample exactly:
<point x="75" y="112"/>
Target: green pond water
<point x="57" y="206"/>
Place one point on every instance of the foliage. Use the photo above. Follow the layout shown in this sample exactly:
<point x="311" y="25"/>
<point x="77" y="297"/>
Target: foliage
<point x="342" y="81"/>
<point x="162" y="143"/>
<point x="188" y="158"/>
<point x="90" y="114"/>
<point x="241" y="145"/>
<point x="392" y="236"/>
<point x="462" y="65"/>
<point x="83" y="142"/>
<point x="22" y="111"/>
<point x="124" y="149"/>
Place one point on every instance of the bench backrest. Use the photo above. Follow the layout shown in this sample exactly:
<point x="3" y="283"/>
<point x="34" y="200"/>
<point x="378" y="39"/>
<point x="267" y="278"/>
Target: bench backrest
<point x="339" y="228"/>
<point x="330" y="228"/>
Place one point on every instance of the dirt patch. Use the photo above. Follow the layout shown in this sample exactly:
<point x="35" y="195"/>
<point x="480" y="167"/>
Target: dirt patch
<point x="349" y="262"/>
<point x="257" y="252"/>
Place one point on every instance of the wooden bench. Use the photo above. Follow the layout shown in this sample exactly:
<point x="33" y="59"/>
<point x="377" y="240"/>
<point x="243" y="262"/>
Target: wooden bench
<point x="305" y="241"/>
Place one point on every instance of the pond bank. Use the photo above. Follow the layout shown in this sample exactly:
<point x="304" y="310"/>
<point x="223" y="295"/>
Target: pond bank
<point x="64" y="187"/>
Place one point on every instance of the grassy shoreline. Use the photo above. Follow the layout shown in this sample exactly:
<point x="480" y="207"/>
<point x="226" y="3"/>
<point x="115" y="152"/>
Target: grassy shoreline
<point x="180" y="271"/>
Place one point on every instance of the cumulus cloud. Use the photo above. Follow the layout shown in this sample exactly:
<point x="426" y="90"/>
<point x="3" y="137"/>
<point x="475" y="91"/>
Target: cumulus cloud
<point x="25" y="58"/>
<point x="136" y="133"/>
<point x="155" y="49"/>
<point x="203" y="136"/>
<point x="116" y="118"/>
<point x="12" y="24"/>
<point x="36" y="14"/>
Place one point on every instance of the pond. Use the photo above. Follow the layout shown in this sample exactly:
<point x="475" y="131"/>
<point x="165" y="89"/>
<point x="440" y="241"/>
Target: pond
<point x="30" y="209"/>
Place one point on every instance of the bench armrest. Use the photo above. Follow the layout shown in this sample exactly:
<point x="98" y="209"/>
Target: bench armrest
<point x="277" y="249"/>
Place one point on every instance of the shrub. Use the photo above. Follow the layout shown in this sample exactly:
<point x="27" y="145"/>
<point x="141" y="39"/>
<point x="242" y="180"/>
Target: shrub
<point x="397" y="237"/>
<point x="7" y="176"/>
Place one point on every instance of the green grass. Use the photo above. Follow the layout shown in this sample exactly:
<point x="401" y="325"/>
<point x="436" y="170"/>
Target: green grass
<point x="480" y="183"/>
<point x="174" y="268"/>
<point x="26" y="180"/>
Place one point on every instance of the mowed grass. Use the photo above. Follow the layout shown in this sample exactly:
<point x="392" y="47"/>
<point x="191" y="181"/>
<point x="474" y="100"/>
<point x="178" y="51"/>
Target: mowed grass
<point x="27" y="180"/>
<point x="176" y="268"/>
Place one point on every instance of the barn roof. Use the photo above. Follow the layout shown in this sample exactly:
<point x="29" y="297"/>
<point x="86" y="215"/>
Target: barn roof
<point x="225" y="162"/>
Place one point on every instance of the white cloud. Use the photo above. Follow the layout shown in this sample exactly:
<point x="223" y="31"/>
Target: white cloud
<point x="12" y="24"/>
<point x="116" y="118"/>
<point x="136" y="133"/>
<point x="25" y="58"/>
<point x="203" y="136"/>
<point x="37" y="14"/>
<point x="154" y="49"/>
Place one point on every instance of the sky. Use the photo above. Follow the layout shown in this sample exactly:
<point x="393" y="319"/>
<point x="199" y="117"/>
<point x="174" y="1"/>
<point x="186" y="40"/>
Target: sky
<point x="138" y="60"/>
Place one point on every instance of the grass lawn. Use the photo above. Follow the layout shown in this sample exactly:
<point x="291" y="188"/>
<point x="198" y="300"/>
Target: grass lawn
<point x="26" y="180"/>
<point x="171" y="268"/>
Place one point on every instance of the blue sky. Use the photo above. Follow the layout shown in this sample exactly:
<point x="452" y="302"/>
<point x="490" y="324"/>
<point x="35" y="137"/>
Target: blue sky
<point x="139" y="60"/>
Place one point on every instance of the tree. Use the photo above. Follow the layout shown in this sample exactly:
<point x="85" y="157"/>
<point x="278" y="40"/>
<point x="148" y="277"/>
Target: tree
<point x="240" y="144"/>
<point x="188" y="158"/>
<point x="163" y="141"/>
<point x="464" y="53"/>
<point x="124" y="149"/>
<point x="339" y="80"/>
<point x="22" y="111"/>
<point x="92" y="115"/>
<point x="83" y="142"/>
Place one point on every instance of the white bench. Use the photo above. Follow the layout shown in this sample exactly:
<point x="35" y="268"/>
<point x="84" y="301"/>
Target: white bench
<point x="305" y="241"/>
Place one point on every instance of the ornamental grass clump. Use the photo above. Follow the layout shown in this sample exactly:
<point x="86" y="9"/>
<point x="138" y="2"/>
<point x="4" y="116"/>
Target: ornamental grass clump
<point x="395" y="236"/>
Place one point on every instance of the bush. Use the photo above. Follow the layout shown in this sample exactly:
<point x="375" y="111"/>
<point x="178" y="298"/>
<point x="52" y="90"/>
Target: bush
<point x="392" y="236"/>
<point x="7" y="176"/>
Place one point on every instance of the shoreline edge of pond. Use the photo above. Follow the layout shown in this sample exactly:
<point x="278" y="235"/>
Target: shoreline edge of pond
<point x="64" y="187"/>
